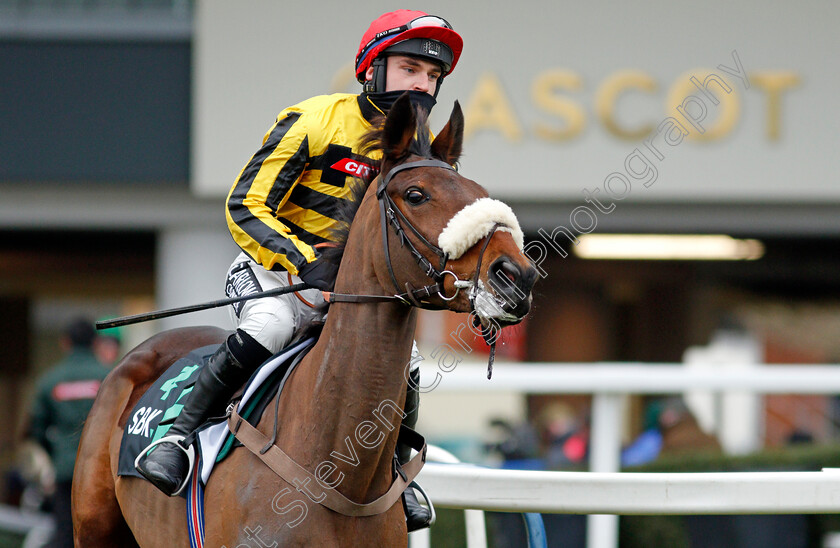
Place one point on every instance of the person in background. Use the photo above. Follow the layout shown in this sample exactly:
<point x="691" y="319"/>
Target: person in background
<point x="63" y="398"/>
<point x="565" y="436"/>
<point x="107" y="346"/>
<point x="669" y="429"/>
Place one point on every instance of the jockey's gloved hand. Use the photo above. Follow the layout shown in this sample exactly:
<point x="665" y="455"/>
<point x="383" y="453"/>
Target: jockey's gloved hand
<point x="319" y="273"/>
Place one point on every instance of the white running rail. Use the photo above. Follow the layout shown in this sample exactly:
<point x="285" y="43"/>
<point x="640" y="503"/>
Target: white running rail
<point x="474" y="519"/>
<point x="595" y="492"/>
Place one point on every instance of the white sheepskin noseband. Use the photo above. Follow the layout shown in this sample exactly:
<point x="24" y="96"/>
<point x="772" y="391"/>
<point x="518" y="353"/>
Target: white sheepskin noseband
<point x="474" y="222"/>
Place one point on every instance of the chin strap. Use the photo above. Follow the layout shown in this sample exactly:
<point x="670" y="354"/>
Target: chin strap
<point x="377" y="83"/>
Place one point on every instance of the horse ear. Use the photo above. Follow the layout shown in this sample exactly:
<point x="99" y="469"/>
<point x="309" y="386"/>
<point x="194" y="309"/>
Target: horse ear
<point x="447" y="145"/>
<point x="400" y="126"/>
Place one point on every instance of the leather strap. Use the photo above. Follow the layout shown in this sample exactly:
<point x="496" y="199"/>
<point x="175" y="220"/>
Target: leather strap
<point x="383" y="221"/>
<point x="294" y="474"/>
<point x="409" y="165"/>
<point x="413" y="296"/>
<point x="486" y="332"/>
<point x="390" y="214"/>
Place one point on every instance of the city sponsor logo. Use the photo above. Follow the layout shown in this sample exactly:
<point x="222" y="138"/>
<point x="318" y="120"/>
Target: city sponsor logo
<point x="353" y="167"/>
<point x="141" y="420"/>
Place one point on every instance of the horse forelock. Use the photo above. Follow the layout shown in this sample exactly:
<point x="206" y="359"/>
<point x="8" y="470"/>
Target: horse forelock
<point x="372" y="142"/>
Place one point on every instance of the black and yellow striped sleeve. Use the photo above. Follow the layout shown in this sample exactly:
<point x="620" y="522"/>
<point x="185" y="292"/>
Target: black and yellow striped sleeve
<point x="262" y="188"/>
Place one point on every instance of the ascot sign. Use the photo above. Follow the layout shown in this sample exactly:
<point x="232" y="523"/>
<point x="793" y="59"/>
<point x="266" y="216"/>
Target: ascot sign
<point x="563" y="117"/>
<point x="489" y="108"/>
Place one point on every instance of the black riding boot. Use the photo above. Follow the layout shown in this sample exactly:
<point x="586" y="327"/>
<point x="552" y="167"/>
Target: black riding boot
<point x="167" y="465"/>
<point x="416" y="516"/>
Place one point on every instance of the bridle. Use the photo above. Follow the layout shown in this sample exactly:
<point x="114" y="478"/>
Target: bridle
<point x="390" y="215"/>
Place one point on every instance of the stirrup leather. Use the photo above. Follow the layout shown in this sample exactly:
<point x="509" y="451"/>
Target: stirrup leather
<point x="190" y="452"/>
<point x="414" y="485"/>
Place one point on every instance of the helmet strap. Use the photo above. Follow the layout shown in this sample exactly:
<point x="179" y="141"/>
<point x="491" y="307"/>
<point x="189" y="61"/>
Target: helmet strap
<point x="437" y="87"/>
<point x="377" y="83"/>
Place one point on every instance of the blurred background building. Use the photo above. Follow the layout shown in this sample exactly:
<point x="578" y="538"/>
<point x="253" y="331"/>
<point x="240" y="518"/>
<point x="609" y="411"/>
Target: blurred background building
<point x="125" y="122"/>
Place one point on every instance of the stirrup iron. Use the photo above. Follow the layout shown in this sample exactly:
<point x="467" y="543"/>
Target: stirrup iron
<point x="190" y="452"/>
<point x="414" y="485"/>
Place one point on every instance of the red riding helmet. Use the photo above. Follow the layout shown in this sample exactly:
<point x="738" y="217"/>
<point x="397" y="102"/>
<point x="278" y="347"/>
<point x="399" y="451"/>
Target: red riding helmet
<point x="413" y="33"/>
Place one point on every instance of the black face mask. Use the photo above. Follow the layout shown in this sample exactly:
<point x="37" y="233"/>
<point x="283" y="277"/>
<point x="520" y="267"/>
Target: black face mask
<point x="385" y="99"/>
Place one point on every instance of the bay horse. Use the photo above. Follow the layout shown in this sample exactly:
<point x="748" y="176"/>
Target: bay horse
<point x="358" y="363"/>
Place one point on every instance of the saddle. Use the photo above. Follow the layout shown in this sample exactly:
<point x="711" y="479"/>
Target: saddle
<point x="158" y="408"/>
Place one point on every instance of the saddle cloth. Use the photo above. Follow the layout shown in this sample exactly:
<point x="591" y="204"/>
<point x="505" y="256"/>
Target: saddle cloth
<point x="157" y="409"/>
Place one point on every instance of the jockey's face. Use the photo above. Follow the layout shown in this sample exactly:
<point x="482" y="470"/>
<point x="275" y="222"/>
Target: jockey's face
<point x="409" y="73"/>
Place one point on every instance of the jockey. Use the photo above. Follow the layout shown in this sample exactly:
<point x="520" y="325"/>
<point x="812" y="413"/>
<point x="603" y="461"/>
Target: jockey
<point x="281" y="211"/>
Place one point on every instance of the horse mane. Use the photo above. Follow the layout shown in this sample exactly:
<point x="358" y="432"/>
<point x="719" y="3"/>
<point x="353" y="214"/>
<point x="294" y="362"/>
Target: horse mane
<point x="372" y="142"/>
<point x="345" y="212"/>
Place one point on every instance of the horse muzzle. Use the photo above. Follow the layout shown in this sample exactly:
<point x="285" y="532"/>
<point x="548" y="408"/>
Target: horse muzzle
<point x="506" y="297"/>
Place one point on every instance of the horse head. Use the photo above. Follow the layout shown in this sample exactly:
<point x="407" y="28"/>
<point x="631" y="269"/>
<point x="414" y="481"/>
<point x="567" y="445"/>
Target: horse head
<point x="444" y="243"/>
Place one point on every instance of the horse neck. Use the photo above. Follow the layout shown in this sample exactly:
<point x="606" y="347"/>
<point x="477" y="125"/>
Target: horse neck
<point x="352" y="389"/>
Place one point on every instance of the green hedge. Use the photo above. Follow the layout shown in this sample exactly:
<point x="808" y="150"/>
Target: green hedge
<point x="10" y="540"/>
<point x="797" y="457"/>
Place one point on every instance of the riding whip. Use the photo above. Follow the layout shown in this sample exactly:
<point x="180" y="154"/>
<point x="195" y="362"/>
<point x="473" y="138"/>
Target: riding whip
<point x="146" y="316"/>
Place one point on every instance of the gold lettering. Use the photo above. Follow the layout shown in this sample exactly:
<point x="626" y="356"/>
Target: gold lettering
<point x="489" y="108"/>
<point x="774" y="83"/>
<point x="608" y="94"/>
<point x="728" y="110"/>
<point x="545" y="95"/>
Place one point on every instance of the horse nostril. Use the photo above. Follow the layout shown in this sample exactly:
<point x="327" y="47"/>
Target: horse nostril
<point x="505" y="271"/>
<point x="509" y="281"/>
<point x="510" y="270"/>
<point x="529" y="277"/>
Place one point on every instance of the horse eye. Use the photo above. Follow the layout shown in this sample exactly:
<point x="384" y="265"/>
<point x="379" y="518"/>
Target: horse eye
<point x="415" y="196"/>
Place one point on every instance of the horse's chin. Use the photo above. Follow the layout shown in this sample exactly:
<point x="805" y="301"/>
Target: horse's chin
<point x="493" y="310"/>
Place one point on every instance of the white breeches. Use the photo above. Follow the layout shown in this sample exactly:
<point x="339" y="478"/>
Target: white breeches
<point x="273" y="321"/>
